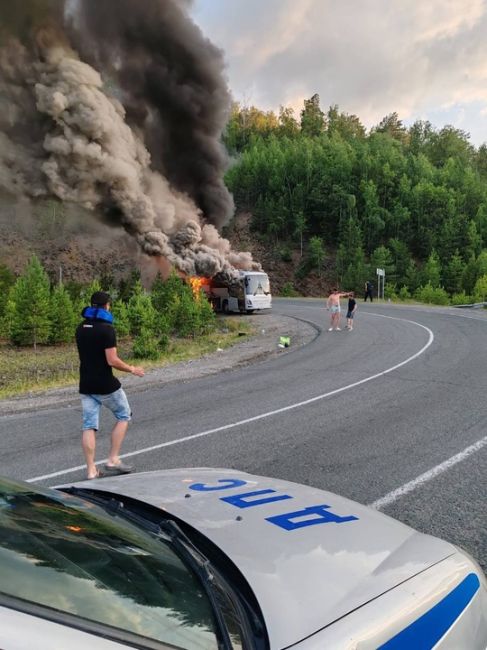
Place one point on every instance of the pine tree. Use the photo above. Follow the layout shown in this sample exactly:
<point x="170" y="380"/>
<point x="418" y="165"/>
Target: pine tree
<point x="121" y="319"/>
<point x="62" y="316"/>
<point x="432" y="270"/>
<point x="141" y="313"/>
<point x="454" y="273"/>
<point x="8" y="317"/>
<point x="7" y="280"/>
<point x="31" y="296"/>
<point x="205" y="314"/>
<point x="88" y="291"/>
<point x="186" y="317"/>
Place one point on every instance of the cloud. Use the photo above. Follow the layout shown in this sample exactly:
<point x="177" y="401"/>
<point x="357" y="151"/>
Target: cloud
<point x="371" y="57"/>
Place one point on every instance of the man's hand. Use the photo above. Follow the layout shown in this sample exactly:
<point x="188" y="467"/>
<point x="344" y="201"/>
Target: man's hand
<point x="138" y="371"/>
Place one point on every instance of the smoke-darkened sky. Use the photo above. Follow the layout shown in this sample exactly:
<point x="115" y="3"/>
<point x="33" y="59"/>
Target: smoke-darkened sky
<point x="424" y="60"/>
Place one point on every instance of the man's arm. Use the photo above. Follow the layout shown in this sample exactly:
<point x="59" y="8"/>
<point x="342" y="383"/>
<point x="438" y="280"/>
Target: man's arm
<point x="114" y="361"/>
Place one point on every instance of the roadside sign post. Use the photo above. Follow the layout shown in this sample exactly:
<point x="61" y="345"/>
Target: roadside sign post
<point x="380" y="274"/>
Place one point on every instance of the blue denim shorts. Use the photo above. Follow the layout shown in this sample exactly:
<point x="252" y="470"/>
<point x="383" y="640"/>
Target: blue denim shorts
<point x="117" y="403"/>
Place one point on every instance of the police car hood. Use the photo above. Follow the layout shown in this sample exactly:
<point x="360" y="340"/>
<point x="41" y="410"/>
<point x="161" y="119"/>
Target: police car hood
<point x="310" y="556"/>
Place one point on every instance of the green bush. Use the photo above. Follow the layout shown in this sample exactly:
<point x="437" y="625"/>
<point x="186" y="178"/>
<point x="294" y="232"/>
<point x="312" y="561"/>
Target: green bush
<point x="480" y="289"/>
<point x="288" y="290"/>
<point x="404" y="293"/>
<point x="432" y="295"/>
<point x="285" y="254"/>
<point x="461" y="299"/>
<point x="390" y="291"/>
<point x="146" y="346"/>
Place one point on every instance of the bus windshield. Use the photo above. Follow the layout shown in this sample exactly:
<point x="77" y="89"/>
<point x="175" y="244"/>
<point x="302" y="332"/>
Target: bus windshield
<point x="257" y="284"/>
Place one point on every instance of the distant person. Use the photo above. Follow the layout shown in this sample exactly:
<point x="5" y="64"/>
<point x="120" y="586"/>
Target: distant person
<point x="97" y="349"/>
<point x="352" y="308"/>
<point x="333" y="304"/>
<point x="369" y="288"/>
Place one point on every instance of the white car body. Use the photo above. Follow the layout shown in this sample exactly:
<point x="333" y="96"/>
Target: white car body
<point x="354" y="584"/>
<point x="327" y="572"/>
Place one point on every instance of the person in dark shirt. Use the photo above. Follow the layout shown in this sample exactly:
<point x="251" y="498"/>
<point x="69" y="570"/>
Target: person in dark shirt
<point x="97" y="349"/>
<point x="369" y="289"/>
<point x="352" y="307"/>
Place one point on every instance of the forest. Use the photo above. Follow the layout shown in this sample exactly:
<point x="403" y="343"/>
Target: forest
<point x="411" y="200"/>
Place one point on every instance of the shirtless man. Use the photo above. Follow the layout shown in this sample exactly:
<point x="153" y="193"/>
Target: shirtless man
<point x="333" y="304"/>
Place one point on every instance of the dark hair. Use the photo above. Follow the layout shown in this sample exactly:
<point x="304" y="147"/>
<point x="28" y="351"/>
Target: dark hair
<point x="100" y="298"/>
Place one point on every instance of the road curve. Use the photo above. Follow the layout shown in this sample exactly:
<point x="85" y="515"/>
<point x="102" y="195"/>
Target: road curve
<point x="390" y="414"/>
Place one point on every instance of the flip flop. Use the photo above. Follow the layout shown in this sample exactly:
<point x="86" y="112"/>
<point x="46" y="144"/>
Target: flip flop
<point x="121" y="468"/>
<point x="99" y="474"/>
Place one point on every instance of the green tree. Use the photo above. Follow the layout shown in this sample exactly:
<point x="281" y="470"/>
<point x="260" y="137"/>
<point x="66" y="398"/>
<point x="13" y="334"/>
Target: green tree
<point x="145" y="345"/>
<point x="343" y="124"/>
<point x="62" y="316"/>
<point x="412" y="277"/>
<point x="316" y="253"/>
<point x="432" y="270"/>
<point x="480" y="289"/>
<point x="8" y="316"/>
<point x="288" y="125"/>
<point x="392" y="125"/>
<point x="454" y="274"/>
<point x="88" y="291"/>
<point x="300" y="229"/>
<point x="381" y="258"/>
<point x="205" y="315"/>
<point x="470" y="274"/>
<point x="186" y="313"/>
<point x="312" y="117"/>
<point x="31" y="297"/>
<point x="127" y="286"/>
<point x="121" y="318"/>
<point x="141" y="312"/>
<point x="7" y="280"/>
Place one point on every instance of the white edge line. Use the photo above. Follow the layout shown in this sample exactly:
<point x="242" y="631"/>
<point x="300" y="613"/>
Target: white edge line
<point x="262" y="416"/>
<point x="427" y="476"/>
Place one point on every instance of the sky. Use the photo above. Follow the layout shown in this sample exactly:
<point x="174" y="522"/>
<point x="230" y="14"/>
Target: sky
<point x="424" y="59"/>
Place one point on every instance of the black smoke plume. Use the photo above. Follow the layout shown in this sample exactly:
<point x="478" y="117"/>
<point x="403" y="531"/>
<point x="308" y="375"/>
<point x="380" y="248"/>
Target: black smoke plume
<point x="175" y="90"/>
<point x="119" y="106"/>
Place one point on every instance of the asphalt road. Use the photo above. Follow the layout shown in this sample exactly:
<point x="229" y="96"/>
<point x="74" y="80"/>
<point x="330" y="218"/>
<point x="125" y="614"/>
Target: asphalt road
<point x="362" y="413"/>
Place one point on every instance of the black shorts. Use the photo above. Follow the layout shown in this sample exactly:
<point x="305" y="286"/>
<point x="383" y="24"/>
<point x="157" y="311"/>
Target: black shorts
<point x="349" y="314"/>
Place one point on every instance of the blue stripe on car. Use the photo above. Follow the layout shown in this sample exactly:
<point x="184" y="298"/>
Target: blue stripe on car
<point x="427" y="630"/>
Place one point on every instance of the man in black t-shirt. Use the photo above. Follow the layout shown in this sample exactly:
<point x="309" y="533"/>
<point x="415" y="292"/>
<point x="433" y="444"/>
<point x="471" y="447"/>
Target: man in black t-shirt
<point x="97" y="349"/>
<point x="352" y="308"/>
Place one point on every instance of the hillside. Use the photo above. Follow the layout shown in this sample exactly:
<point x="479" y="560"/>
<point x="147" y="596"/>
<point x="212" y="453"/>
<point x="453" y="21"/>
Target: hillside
<point x="74" y="243"/>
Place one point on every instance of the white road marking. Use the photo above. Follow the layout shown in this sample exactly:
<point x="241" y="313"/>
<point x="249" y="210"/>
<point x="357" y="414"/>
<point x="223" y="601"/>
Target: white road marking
<point x="262" y="416"/>
<point x="427" y="476"/>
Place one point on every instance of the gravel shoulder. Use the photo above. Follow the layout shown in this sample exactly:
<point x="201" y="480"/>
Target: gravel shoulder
<point x="257" y="347"/>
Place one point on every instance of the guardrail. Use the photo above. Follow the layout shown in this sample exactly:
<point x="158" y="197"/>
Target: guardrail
<point x="475" y="305"/>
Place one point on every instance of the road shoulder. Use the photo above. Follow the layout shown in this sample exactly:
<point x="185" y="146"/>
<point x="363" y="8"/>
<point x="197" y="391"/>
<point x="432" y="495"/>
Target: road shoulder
<point x="258" y="347"/>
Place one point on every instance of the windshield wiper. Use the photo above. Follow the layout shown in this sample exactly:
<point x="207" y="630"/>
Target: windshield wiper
<point x="201" y="566"/>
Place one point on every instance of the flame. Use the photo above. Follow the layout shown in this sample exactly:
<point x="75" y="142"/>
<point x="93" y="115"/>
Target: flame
<point x="197" y="284"/>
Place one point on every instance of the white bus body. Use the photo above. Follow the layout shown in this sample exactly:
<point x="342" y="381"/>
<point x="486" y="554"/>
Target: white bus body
<point x="251" y="293"/>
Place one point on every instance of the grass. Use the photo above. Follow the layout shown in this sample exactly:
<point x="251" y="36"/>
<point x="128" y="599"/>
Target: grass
<point x="24" y="371"/>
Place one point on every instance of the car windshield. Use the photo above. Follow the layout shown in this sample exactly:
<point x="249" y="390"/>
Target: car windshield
<point x="60" y="552"/>
<point x="256" y="285"/>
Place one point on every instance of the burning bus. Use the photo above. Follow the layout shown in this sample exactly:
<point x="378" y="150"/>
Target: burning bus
<point x="249" y="292"/>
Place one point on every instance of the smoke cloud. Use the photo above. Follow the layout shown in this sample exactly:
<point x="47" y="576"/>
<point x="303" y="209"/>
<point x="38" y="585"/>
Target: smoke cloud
<point x="147" y="153"/>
